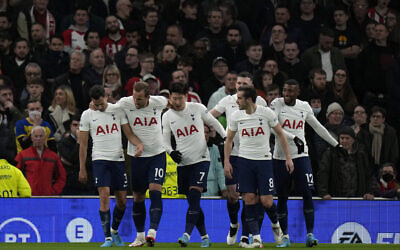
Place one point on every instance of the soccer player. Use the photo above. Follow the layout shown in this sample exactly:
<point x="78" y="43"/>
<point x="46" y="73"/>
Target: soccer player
<point x="292" y="114"/>
<point x="253" y="124"/>
<point x="228" y="106"/>
<point x="148" y="171"/>
<point x="185" y="120"/>
<point x="104" y="125"/>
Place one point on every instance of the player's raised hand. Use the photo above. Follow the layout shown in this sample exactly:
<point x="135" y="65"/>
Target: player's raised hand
<point x="299" y="144"/>
<point x="289" y="166"/>
<point x="139" y="150"/>
<point x="228" y="170"/>
<point x="82" y="176"/>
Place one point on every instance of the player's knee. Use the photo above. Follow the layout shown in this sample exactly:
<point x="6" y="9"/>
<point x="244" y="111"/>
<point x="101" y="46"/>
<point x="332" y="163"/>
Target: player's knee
<point x="139" y="197"/>
<point x="249" y="198"/>
<point x="267" y="202"/>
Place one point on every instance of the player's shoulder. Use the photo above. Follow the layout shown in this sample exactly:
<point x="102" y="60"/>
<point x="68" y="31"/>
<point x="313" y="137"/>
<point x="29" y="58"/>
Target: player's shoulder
<point x="277" y="102"/>
<point x="264" y="110"/>
<point x="237" y="114"/>
<point x="125" y="102"/>
<point x="158" y="100"/>
<point x="261" y="101"/>
<point x="303" y="105"/>
<point x="195" y="106"/>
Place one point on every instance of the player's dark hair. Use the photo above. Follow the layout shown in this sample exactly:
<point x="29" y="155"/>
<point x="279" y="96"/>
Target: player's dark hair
<point x="96" y="92"/>
<point x="141" y="85"/>
<point x="178" y="88"/>
<point x="292" y="82"/>
<point x="249" y="92"/>
<point x="246" y="74"/>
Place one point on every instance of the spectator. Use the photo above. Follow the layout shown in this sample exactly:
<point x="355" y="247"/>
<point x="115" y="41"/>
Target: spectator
<point x="179" y="76"/>
<point x="215" y="31"/>
<point x="23" y="127"/>
<point x="14" y="65"/>
<point x="39" y="44"/>
<point x="5" y="45"/>
<point x="167" y="60"/>
<point x="229" y="88"/>
<point x="154" y="84"/>
<point x="94" y="73"/>
<point x="292" y="65"/>
<point x="201" y="60"/>
<point x="393" y="25"/>
<point x="324" y="55"/>
<point x="280" y="77"/>
<point x="359" y="117"/>
<point x="273" y="92"/>
<point x="254" y="54"/>
<point x="379" y="11"/>
<point x="174" y="35"/>
<point x="74" y="35"/>
<point x="186" y="64"/>
<point x="74" y="78"/>
<point x="380" y="138"/>
<point x="115" y="40"/>
<point x="341" y="91"/>
<point x="274" y="50"/>
<point x="92" y="42"/>
<point x="55" y="61"/>
<point x="6" y="25"/>
<point x="131" y="66"/>
<point x="375" y="61"/>
<point x="216" y="177"/>
<point x="387" y="186"/>
<point x="112" y="81"/>
<point x="214" y="82"/>
<point x="189" y="20"/>
<point x="262" y="80"/>
<point x="10" y="114"/>
<point x="146" y="61"/>
<point x="37" y="13"/>
<point x="360" y="18"/>
<point x="309" y="22"/>
<point x="346" y="174"/>
<point x="232" y="49"/>
<point x="35" y="89"/>
<point x="124" y="13"/>
<point x="61" y="110"/>
<point x="133" y="39"/>
<point x="153" y="30"/>
<point x="68" y="149"/>
<point x="13" y="184"/>
<point x="334" y="116"/>
<point x="230" y="17"/>
<point x="41" y="166"/>
<point x="33" y="72"/>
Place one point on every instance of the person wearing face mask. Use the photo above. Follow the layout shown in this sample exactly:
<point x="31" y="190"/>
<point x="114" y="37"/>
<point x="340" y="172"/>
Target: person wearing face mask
<point x="346" y="174"/>
<point x="23" y="127"/>
<point x="387" y="186"/>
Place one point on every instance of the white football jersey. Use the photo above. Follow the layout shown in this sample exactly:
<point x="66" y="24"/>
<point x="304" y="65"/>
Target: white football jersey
<point x="254" y="131"/>
<point x="145" y="124"/>
<point x="187" y="126"/>
<point x="105" y="130"/>
<point x="293" y="119"/>
<point x="228" y="106"/>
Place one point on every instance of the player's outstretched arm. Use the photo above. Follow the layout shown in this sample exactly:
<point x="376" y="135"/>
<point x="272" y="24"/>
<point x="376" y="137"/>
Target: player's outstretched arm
<point x="83" y="144"/>
<point x="321" y="130"/>
<point x="133" y="139"/>
<point x="228" y="170"/>
<point x="285" y="146"/>
<point x="215" y="113"/>
<point x="213" y="122"/>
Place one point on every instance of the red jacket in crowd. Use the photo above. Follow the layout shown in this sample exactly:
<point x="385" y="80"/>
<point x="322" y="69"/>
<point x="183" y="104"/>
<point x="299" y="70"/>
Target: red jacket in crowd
<point x="46" y="175"/>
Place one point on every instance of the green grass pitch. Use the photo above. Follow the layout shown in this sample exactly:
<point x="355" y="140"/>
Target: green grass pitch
<point x="88" y="246"/>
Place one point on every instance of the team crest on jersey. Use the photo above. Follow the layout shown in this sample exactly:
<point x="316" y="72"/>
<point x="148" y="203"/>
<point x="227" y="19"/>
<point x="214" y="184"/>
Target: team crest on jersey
<point x="192" y="115"/>
<point x="155" y="110"/>
<point x="260" y="121"/>
<point x="113" y="116"/>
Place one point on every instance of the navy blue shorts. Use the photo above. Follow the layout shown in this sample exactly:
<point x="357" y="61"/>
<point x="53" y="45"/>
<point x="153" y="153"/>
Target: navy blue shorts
<point x="193" y="175"/>
<point x="302" y="175"/>
<point x="256" y="176"/>
<point x="233" y="160"/>
<point x="146" y="170"/>
<point x="110" y="174"/>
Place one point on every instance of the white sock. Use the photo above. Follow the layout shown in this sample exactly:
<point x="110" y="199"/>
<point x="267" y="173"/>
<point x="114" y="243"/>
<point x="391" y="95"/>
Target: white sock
<point x="204" y="237"/>
<point x="235" y="225"/>
<point x="140" y="235"/>
<point x="114" y="231"/>
<point x="187" y="235"/>
<point x="152" y="233"/>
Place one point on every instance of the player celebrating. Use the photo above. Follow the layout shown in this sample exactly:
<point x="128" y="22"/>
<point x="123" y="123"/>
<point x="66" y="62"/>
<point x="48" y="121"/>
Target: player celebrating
<point x="104" y="125"/>
<point x="148" y="170"/>
<point x="228" y="106"/>
<point x="186" y="122"/>
<point x="253" y="124"/>
<point x="292" y="114"/>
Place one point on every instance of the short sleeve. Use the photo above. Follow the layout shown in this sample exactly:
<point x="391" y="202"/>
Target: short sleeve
<point x="220" y="107"/>
<point x="233" y="124"/>
<point x="84" y="124"/>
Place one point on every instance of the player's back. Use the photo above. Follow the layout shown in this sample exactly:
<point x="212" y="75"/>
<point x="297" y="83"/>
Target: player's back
<point x="12" y="182"/>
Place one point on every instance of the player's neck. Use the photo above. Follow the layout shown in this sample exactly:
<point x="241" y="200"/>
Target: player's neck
<point x="251" y="108"/>
<point x="292" y="103"/>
